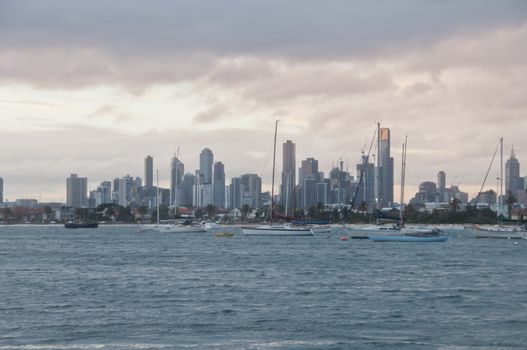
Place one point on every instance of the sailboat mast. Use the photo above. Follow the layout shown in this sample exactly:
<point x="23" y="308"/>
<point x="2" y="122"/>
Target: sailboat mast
<point x="501" y="175"/>
<point x="157" y="194"/>
<point x="378" y="179"/>
<point x="403" y="175"/>
<point x="274" y="165"/>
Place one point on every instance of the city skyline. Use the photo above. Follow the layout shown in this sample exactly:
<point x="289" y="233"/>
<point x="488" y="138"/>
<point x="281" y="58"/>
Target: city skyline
<point x="448" y="75"/>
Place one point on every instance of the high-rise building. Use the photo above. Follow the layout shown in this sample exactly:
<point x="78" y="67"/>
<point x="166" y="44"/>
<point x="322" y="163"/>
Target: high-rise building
<point x="287" y="186"/>
<point x="251" y="190"/>
<point x="206" y="158"/>
<point x="103" y="193"/>
<point x="366" y="185"/>
<point x="202" y="195"/>
<point x="1" y="190"/>
<point x="125" y="190"/>
<point x="235" y="190"/>
<point x="177" y="169"/>
<point x="385" y="170"/>
<point x="187" y="190"/>
<point x="219" y="185"/>
<point x="512" y="175"/>
<point x="77" y="191"/>
<point x="441" y="181"/>
<point x="149" y="174"/>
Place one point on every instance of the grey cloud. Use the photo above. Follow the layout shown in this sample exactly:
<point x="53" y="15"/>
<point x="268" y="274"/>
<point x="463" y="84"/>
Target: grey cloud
<point x="299" y="28"/>
<point x="212" y="114"/>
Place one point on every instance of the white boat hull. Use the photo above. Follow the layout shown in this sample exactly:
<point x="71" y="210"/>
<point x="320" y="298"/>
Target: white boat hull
<point x="276" y="231"/>
<point x="497" y="232"/>
<point x="179" y="229"/>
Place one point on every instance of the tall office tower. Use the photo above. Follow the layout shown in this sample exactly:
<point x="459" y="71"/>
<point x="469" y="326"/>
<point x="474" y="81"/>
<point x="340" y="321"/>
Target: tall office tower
<point x="227" y="202"/>
<point x="187" y="189"/>
<point x="177" y="169"/>
<point x="206" y="158"/>
<point x="219" y="185"/>
<point x="385" y="170"/>
<point x="251" y="190"/>
<point x="115" y="191"/>
<point x="366" y="185"/>
<point x="125" y="190"/>
<point x="235" y="193"/>
<point x="288" y="176"/>
<point x="202" y="192"/>
<point x="441" y="181"/>
<point x="512" y="175"/>
<point x="77" y="191"/>
<point x="149" y="175"/>
<point x="1" y="190"/>
<point x="104" y="193"/>
<point x="309" y="168"/>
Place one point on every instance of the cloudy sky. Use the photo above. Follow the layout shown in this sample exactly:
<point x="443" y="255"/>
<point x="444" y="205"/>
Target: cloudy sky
<point x="93" y="87"/>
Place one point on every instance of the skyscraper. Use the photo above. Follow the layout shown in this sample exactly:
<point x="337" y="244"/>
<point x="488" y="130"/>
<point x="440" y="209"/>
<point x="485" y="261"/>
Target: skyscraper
<point x="177" y="169"/>
<point x="308" y="177"/>
<point x="219" y="185"/>
<point x="206" y="158"/>
<point x="512" y="175"/>
<point x="149" y="174"/>
<point x="385" y="170"/>
<point x="366" y="188"/>
<point x="235" y="190"/>
<point x="288" y="176"/>
<point x="251" y="190"/>
<point x="441" y="181"/>
<point x="125" y="190"/>
<point x="77" y="191"/>
<point x="1" y="190"/>
<point x="187" y="189"/>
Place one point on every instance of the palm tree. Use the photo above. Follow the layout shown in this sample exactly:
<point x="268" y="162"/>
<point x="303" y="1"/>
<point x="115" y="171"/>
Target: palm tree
<point x="211" y="210"/>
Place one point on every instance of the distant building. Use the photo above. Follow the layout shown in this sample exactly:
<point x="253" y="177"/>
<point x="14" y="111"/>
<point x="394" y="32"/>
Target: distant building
<point x="1" y="190"/>
<point x="76" y="191"/>
<point x="177" y="169"/>
<point x="103" y="194"/>
<point x="149" y="174"/>
<point x="235" y="190"/>
<point x="206" y="158"/>
<point x="187" y="190"/>
<point x="219" y="185"/>
<point x="385" y="170"/>
<point x="513" y="182"/>
<point x="365" y="187"/>
<point x="251" y="190"/>
<point x="125" y="190"/>
<point x="26" y="203"/>
<point x="287" y="193"/>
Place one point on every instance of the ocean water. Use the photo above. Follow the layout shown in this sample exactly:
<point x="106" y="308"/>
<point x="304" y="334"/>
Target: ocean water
<point x="113" y="288"/>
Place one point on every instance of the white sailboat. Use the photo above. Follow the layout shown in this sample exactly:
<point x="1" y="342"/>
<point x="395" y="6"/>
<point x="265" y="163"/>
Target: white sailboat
<point x="400" y="233"/>
<point x="498" y="231"/>
<point x="275" y="229"/>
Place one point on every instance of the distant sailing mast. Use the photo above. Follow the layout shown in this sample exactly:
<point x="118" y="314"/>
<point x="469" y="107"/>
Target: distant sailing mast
<point x="274" y="165"/>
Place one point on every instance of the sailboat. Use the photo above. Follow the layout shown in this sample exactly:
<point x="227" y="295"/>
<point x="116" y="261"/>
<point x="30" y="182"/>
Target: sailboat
<point x="275" y="229"/>
<point x="497" y="231"/>
<point x="400" y="233"/>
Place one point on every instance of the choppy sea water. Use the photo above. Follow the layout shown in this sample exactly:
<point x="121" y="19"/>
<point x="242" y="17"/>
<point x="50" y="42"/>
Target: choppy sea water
<point x="113" y="288"/>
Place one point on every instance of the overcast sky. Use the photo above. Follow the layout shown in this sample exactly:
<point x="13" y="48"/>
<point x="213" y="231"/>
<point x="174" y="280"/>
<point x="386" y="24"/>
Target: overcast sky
<point x="93" y="87"/>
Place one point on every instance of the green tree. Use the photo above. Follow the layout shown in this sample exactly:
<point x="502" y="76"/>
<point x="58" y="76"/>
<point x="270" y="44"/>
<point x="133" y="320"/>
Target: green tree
<point x="454" y="204"/>
<point x="211" y="211"/>
<point x="510" y="200"/>
<point x="198" y="213"/>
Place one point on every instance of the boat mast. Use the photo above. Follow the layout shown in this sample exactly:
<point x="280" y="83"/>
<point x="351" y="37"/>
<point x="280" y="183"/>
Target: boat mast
<point x="501" y="175"/>
<point x="157" y="194"/>
<point x="378" y="180"/>
<point x="403" y="175"/>
<point x="287" y="194"/>
<point x="274" y="164"/>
